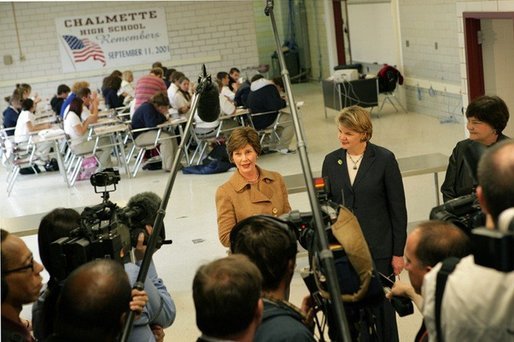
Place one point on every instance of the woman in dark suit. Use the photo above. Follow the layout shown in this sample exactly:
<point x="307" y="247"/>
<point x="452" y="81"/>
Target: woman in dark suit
<point x="366" y="179"/>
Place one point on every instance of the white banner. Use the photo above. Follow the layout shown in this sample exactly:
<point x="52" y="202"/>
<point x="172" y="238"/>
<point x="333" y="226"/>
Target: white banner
<point x="93" y="41"/>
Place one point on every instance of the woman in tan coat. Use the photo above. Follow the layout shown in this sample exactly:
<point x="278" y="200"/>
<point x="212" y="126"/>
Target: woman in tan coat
<point x="250" y="190"/>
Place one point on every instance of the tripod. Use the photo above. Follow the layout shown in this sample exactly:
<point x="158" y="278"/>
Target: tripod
<point x="326" y="256"/>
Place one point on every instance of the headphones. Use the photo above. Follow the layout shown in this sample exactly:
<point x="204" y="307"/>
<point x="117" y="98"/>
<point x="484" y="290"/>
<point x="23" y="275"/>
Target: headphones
<point x="269" y="222"/>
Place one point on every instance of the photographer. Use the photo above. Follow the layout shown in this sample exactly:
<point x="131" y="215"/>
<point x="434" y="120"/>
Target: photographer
<point x="271" y="244"/>
<point x="429" y="243"/>
<point x="487" y="118"/>
<point x="478" y="301"/>
<point x="159" y="311"/>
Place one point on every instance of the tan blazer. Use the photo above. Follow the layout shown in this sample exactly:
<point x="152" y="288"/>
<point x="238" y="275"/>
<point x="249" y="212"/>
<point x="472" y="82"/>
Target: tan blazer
<point x="237" y="199"/>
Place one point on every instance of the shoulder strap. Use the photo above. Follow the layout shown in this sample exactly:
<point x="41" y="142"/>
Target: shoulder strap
<point x="447" y="268"/>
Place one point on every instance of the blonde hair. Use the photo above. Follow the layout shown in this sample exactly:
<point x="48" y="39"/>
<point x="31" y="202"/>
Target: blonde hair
<point x="126" y="75"/>
<point x="357" y="119"/>
<point x="79" y="85"/>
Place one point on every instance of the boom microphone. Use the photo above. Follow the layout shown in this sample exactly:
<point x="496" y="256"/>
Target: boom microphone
<point x="209" y="102"/>
<point x="140" y="211"/>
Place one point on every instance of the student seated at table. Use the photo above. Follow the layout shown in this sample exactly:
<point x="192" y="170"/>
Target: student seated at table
<point x="127" y="86"/>
<point x="62" y="93"/>
<point x="181" y="101"/>
<point x="151" y="114"/>
<point x="11" y="113"/>
<point x="234" y="76"/>
<point x="224" y="78"/>
<point x="112" y="85"/>
<point x="264" y="97"/>
<point x="74" y="89"/>
<point x="26" y="124"/>
<point x="77" y="129"/>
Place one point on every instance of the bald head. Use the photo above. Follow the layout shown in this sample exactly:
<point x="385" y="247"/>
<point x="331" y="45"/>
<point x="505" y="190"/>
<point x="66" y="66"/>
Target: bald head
<point x="93" y="301"/>
<point x="496" y="179"/>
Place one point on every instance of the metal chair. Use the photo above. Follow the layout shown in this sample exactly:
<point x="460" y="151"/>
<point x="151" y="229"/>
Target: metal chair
<point x="145" y="146"/>
<point x="387" y="81"/>
<point x="16" y="156"/>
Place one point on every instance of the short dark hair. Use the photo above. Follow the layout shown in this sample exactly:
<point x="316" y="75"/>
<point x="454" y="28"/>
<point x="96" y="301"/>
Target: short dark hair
<point x="157" y="72"/>
<point x="256" y="77"/>
<point x="234" y="69"/>
<point x="439" y="240"/>
<point x="221" y="75"/>
<point x="55" y="225"/>
<point x="93" y="300"/>
<point x="112" y="82"/>
<point x="83" y="92"/>
<point x="242" y="136"/>
<point x="76" y="105"/>
<point x="27" y="104"/>
<point x="496" y="177"/>
<point x="269" y="243"/>
<point x="226" y="294"/>
<point x="160" y="99"/>
<point x="176" y="75"/>
<point x="491" y="110"/>
<point x="62" y="89"/>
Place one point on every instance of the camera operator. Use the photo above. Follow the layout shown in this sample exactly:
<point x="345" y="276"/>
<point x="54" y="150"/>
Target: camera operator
<point x="94" y="302"/>
<point x="158" y="313"/>
<point x="235" y="283"/>
<point x="478" y="301"/>
<point x="271" y="244"/>
<point x="429" y="243"/>
<point x="487" y="118"/>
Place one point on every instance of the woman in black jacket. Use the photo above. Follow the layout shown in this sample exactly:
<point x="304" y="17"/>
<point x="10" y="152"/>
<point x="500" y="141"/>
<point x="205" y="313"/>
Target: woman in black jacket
<point x="487" y="118"/>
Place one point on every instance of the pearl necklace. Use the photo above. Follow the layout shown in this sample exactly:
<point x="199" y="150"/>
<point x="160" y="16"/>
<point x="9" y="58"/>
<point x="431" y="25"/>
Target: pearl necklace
<point x="355" y="162"/>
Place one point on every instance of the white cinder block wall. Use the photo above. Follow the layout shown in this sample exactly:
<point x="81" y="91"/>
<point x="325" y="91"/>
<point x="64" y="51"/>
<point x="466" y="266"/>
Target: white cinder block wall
<point x="223" y="31"/>
<point x="425" y="24"/>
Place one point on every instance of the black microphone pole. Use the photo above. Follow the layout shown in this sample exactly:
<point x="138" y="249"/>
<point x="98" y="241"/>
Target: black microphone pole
<point x="325" y="254"/>
<point x="203" y="80"/>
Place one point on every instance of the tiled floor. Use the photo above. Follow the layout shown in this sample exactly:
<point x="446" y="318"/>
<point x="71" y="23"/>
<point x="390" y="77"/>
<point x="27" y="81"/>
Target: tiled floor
<point x="191" y="215"/>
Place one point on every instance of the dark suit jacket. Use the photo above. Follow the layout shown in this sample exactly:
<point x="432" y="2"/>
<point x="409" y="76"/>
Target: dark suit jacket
<point x="459" y="176"/>
<point x="376" y="197"/>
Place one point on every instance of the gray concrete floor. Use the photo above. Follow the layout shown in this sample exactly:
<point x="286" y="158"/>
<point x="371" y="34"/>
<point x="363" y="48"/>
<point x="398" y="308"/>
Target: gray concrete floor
<point x="191" y="215"/>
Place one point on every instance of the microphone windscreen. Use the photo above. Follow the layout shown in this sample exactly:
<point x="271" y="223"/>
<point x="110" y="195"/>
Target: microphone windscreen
<point x="148" y="203"/>
<point x="209" y="103"/>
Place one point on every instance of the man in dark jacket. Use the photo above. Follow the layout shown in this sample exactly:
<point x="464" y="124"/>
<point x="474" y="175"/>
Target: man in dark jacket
<point x="227" y="297"/>
<point x="264" y="102"/>
<point x="271" y="244"/>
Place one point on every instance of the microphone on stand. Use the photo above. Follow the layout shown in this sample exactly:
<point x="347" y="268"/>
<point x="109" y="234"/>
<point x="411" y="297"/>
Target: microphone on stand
<point x="209" y="102"/>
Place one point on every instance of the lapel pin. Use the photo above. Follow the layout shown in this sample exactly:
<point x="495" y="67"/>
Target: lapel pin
<point x="340" y="162"/>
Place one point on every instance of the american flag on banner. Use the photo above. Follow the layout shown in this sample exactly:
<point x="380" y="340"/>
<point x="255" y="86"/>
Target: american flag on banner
<point x="83" y="49"/>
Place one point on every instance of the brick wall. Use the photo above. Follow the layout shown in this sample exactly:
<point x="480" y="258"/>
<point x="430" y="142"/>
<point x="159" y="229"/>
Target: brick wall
<point x="224" y="36"/>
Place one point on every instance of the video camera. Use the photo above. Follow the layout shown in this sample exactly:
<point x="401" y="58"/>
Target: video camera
<point x="105" y="230"/>
<point x="347" y="273"/>
<point x="464" y="212"/>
